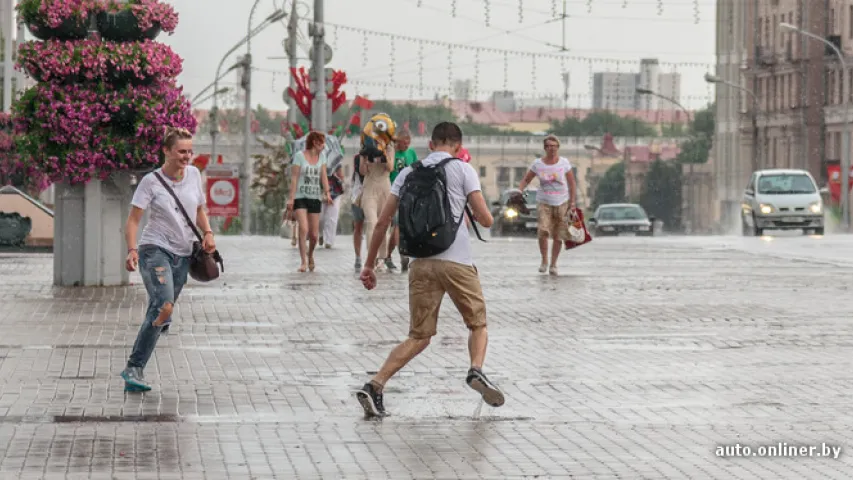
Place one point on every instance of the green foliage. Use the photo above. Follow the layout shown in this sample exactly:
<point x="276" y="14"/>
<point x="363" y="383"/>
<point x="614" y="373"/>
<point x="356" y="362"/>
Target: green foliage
<point x="611" y="187"/>
<point x="698" y="147"/>
<point x="271" y="185"/>
<point x="601" y="122"/>
<point x="661" y="195"/>
<point x="673" y="130"/>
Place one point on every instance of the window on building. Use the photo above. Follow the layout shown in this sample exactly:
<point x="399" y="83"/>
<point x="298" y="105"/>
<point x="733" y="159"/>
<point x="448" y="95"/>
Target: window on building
<point x="850" y="22"/>
<point x="482" y="171"/>
<point x="503" y="174"/>
<point x="519" y="173"/>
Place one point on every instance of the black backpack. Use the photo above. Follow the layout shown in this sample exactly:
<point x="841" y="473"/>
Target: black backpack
<point x="427" y="225"/>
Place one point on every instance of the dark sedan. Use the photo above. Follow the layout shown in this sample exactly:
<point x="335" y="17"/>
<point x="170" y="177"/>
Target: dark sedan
<point x="619" y="218"/>
<point x="510" y="218"/>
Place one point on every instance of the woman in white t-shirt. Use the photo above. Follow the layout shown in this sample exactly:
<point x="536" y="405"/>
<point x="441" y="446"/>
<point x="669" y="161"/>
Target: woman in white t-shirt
<point x="163" y="255"/>
<point x="556" y="195"/>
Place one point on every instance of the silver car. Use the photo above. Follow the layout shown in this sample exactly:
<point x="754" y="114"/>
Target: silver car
<point x="618" y="218"/>
<point x="781" y="199"/>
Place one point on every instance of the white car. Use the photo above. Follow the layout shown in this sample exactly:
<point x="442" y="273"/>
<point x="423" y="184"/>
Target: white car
<point x="781" y="199"/>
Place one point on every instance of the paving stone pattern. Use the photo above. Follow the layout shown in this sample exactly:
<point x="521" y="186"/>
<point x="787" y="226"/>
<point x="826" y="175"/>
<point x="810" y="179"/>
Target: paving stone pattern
<point x="640" y="358"/>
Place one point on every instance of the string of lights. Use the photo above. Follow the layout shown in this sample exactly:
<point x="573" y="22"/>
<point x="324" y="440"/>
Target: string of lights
<point x="420" y="57"/>
<point x="483" y="49"/>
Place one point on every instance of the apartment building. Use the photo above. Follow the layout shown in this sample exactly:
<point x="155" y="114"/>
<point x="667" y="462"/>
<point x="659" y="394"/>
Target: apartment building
<point x="618" y="90"/>
<point x="799" y="86"/>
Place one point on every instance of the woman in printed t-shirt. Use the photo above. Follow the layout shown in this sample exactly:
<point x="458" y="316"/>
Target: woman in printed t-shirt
<point x="308" y="190"/>
<point x="163" y="253"/>
<point x="556" y="195"/>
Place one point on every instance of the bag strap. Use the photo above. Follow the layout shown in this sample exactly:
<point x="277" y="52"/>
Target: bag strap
<point x="467" y="211"/>
<point x="181" y="206"/>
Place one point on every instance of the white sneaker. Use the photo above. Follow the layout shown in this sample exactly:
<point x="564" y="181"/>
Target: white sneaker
<point x="543" y="268"/>
<point x="552" y="270"/>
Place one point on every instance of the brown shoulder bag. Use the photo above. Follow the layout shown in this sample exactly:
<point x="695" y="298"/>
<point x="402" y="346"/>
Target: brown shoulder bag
<point x="203" y="265"/>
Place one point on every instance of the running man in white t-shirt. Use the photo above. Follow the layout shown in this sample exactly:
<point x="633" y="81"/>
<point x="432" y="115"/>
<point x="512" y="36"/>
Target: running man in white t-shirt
<point x="556" y="195"/>
<point x="451" y="271"/>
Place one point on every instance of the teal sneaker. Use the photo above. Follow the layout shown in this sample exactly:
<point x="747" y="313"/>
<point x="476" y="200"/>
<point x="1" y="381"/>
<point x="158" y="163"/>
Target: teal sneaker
<point x="134" y="381"/>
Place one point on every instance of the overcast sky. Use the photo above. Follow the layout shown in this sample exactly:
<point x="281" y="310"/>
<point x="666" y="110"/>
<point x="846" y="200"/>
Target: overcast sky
<point x="680" y="33"/>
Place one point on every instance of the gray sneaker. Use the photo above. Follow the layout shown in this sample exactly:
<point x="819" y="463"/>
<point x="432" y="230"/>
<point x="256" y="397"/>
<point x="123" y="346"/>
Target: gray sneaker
<point x="134" y="381"/>
<point x="357" y="265"/>
<point x="389" y="264"/>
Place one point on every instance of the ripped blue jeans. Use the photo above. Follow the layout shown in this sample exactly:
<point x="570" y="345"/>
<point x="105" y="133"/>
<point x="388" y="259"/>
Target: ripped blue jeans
<point x="164" y="275"/>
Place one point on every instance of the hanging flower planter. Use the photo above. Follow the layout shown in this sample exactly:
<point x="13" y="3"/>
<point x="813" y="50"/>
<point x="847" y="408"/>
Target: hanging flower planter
<point x="135" y="20"/>
<point x="72" y="28"/>
<point x="57" y="19"/>
<point x="123" y="26"/>
<point x="118" y="64"/>
<point x="77" y="133"/>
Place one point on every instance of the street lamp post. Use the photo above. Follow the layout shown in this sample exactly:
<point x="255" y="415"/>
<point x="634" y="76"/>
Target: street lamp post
<point x="646" y="91"/>
<point x="845" y="149"/>
<point x="214" y="112"/>
<point x="246" y="180"/>
<point x="756" y="146"/>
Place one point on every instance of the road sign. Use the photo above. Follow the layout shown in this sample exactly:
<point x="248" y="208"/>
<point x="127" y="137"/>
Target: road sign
<point x="222" y="170"/>
<point x="223" y="190"/>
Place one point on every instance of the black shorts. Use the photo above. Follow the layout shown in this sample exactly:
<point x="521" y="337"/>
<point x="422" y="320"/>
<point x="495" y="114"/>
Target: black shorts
<point x="313" y="206"/>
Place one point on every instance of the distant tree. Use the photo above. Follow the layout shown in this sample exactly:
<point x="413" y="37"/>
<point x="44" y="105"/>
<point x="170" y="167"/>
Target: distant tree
<point x="600" y="122"/>
<point x="697" y="148"/>
<point x="661" y="195"/>
<point x="611" y="187"/>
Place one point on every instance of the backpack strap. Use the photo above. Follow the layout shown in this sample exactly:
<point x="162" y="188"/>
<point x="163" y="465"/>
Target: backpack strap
<point x="467" y="210"/>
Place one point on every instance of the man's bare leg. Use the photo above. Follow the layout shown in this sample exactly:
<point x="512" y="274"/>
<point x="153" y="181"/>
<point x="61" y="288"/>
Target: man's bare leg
<point x="397" y="359"/>
<point x="478" y="341"/>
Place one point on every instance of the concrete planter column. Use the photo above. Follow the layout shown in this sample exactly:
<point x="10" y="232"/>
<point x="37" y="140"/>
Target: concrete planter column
<point x="89" y="247"/>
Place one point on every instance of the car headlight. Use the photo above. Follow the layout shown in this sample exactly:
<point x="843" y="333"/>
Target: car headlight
<point x="765" y="209"/>
<point x="607" y="229"/>
<point x="643" y="228"/>
<point x="816" y="207"/>
<point x="511" y="213"/>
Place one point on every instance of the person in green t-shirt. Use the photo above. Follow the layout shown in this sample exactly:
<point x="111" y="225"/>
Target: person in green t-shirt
<point x="403" y="157"/>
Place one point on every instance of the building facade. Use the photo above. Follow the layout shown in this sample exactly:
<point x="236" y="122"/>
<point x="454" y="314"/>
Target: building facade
<point x="731" y="154"/>
<point x="614" y="91"/>
<point x="800" y="89"/>
<point x="618" y="90"/>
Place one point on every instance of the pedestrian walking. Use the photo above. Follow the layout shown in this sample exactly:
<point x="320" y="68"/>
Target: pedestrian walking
<point x="441" y="260"/>
<point x="357" y="211"/>
<point x="163" y="253"/>
<point x="331" y="211"/>
<point x="557" y="193"/>
<point x="404" y="156"/>
<point x="308" y="190"/>
<point x="375" y="191"/>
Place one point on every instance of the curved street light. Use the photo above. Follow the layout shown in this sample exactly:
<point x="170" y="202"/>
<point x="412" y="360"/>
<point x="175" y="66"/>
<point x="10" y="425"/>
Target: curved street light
<point x="845" y="149"/>
<point x="756" y="146"/>
<point x="218" y="92"/>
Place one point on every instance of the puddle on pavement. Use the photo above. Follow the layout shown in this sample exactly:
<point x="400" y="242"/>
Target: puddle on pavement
<point x="316" y="346"/>
<point x="232" y="348"/>
<point x="91" y="419"/>
<point x="243" y="324"/>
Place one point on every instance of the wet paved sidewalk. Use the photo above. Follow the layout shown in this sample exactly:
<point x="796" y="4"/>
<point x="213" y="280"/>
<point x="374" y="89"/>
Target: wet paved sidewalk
<point x="635" y="363"/>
